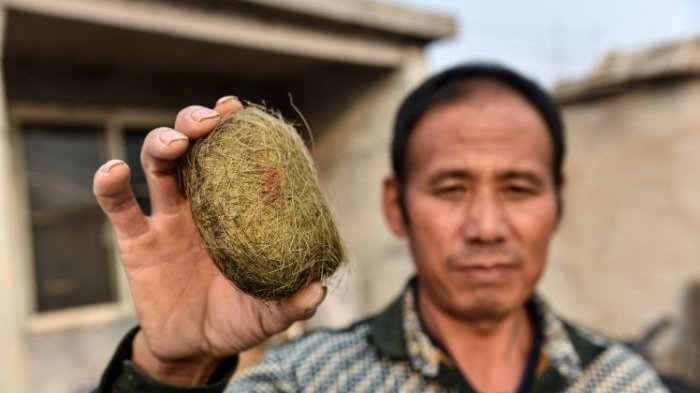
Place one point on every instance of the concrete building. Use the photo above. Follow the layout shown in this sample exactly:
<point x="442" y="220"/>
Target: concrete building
<point x="627" y="250"/>
<point x="84" y="81"/>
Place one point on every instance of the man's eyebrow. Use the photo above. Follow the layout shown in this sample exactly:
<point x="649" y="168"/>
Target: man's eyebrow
<point x="460" y="174"/>
<point x="521" y="175"/>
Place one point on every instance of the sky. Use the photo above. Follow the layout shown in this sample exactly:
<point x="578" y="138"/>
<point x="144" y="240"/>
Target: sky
<point x="554" y="40"/>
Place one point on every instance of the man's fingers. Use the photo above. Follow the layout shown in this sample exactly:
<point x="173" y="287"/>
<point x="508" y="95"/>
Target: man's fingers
<point x="163" y="148"/>
<point x="285" y="312"/>
<point x="159" y="154"/>
<point x="228" y="104"/>
<point x="113" y="191"/>
<point x="196" y="121"/>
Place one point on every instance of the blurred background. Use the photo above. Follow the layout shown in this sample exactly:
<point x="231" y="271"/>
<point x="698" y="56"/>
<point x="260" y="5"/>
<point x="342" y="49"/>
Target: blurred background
<point x="83" y="81"/>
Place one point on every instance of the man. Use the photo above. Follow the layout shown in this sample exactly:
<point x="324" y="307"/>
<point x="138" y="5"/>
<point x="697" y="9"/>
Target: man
<point x="477" y="158"/>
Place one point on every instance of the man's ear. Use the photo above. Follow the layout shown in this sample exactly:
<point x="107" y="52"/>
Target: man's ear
<point x="392" y="207"/>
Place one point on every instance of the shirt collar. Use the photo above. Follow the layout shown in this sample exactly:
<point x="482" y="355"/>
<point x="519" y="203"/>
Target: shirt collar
<point x="398" y="334"/>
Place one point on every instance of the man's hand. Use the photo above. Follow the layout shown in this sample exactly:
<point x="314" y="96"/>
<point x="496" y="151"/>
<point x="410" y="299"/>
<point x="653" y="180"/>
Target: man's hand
<point x="190" y="315"/>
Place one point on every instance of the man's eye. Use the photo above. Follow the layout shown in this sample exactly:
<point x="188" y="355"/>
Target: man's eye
<point x="520" y="191"/>
<point x="450" y="191"/>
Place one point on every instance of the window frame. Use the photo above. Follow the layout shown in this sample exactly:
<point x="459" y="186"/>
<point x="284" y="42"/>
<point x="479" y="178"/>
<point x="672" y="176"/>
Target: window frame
<point x="114" y="123"/>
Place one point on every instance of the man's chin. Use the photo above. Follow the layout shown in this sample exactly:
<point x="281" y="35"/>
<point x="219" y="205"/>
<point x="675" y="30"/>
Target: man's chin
<point x="485" y="313"/>
<point x="485" y="309"/>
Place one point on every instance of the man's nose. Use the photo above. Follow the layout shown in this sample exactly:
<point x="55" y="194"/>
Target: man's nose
<point x="486" y="219"/>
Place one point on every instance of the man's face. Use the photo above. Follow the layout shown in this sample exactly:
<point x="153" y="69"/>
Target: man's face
<point x="481" y="204"/>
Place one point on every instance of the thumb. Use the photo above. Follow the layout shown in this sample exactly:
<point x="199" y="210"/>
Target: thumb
<point x="303" y="304"/>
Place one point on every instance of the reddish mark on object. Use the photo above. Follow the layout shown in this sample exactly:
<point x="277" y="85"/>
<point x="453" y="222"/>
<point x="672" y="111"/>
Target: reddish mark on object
<point x="272" y="181"/>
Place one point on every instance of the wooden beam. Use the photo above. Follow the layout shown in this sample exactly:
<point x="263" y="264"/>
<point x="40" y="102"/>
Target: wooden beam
<point x="377" y="15"/>
<point x="222" y="28"/>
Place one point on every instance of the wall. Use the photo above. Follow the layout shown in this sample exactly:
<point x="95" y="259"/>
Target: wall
<point x="346" y="80"/>
<point x="12" y="372"/>
<point x="354" y="159"/>
<point x="627" y="247"/>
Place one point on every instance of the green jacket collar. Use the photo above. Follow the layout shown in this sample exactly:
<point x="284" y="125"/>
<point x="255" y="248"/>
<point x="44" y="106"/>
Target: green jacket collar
<point x="567" y="348"/>
<point x="386" y="331"/>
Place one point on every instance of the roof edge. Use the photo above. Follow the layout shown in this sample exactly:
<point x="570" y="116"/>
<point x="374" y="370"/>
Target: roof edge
<point x="619" y="71"/>
<point x="391" y="18"/>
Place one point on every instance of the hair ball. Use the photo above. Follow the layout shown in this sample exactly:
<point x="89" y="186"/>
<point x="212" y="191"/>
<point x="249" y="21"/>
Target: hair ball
<point x="255" y="197"/>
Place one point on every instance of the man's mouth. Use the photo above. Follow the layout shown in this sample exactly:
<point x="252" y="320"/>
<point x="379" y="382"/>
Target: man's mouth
<point x="484" y="270"/>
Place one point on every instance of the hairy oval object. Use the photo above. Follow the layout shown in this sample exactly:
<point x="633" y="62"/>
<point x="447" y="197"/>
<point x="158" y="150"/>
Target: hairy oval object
<point x="255" y="197"/>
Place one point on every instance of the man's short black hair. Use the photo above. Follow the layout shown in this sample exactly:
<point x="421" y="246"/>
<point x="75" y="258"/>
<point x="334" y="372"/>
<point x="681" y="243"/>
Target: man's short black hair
<point x="452" y="85"/>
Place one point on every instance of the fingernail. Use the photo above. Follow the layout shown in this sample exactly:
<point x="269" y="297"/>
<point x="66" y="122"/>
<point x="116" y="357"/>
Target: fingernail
<point x="167" y="137"/>
<point x="225" y="99"/>
<point x="111" y="164"/>
<point x="202" y="114"/>
<point x="320" y="295"/>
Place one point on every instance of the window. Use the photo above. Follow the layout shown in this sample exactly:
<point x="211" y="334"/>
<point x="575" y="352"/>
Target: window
<point x="71" y="260"/>
<point x="133" y="139"/>
<point x="70" y="251"/>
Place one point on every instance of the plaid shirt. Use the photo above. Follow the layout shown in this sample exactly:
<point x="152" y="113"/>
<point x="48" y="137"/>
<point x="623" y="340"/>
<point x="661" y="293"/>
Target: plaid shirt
<point x="392" y="353"/>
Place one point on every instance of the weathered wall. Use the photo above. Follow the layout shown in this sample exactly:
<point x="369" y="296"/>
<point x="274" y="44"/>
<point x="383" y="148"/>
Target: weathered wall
<point x="72" y="361"/>
<point x="12" y="371"/>
<point x="628" y="245"/>
<point x="347" y="77"/>
<point x="354" y="159"/>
